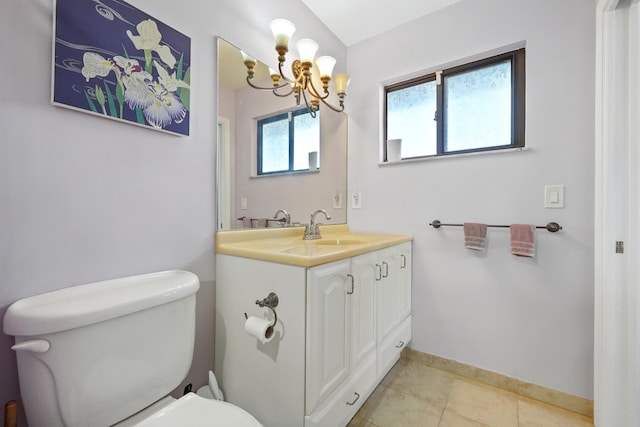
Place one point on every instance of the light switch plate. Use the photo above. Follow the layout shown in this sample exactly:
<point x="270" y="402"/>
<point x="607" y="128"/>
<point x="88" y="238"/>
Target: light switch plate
<point x="243" y="203"/>
<point x="337" y="200"/>
<point x="356" y="200"/>
<point x="554" y="196"/>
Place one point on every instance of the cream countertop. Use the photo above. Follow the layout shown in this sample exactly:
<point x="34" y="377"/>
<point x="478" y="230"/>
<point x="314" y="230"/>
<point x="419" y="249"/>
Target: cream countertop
<point x="285" y="245"/>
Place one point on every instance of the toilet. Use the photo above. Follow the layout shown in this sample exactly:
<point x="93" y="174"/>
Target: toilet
<point x="109" y="353"/>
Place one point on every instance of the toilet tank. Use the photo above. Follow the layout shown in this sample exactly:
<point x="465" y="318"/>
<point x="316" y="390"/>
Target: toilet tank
<point x="94" y="354"/>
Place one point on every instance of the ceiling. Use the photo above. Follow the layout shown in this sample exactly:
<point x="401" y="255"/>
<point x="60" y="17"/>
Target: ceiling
<point x="346" y="18"/>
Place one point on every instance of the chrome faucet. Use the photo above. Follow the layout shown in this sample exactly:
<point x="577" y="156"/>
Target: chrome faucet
<point x="312" y="230"/>
<point x="286" y="220"/>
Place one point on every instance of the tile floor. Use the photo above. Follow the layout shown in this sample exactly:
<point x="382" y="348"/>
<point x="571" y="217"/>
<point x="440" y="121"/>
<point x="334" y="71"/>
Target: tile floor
<point x="416" y="395"/>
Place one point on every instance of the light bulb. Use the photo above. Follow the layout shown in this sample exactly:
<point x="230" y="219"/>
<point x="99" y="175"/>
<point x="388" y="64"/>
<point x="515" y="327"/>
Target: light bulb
<point x="307" y="49"/>
<point x="341" y="81"/>
<point x="282" y="30"/>
<point x="325" y="65"/>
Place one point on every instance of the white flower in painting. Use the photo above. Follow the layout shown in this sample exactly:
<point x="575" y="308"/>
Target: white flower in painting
<point x="127" y="66"/>
<point x="169" y="82"/>
<point x="166" y="107"/>
<point x="159" y="105"/>
<point x="95" y="65"/>
<point x="137" y="94"/>
<point x="149" y="40"/>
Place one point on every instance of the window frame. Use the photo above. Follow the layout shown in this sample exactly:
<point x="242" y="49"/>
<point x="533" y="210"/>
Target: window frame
<point x="290" y="116"/>
<point x="518" y="92"/>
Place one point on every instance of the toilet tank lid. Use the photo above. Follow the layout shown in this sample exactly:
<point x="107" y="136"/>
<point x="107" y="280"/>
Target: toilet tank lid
<point x="83" y="305"/>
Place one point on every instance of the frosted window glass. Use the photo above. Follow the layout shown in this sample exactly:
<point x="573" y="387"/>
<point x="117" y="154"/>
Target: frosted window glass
<point x="306" y="136"/>
<point x="286" y="139"/>
<point x="410" y="117"/>
<point x="275" y="146"/>
<point x="478" y="108"/>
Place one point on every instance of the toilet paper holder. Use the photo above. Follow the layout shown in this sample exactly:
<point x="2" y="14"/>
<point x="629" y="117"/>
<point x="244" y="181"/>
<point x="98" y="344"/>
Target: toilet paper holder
<point x="271" y="302"/>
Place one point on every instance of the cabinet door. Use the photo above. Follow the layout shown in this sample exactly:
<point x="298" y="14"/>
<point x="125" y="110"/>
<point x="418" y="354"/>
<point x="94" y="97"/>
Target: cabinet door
<point x="363" y="321"/>
<point x="328" y="323"/>
<point x="387" y="293"/>
<point x="404" y="281"/>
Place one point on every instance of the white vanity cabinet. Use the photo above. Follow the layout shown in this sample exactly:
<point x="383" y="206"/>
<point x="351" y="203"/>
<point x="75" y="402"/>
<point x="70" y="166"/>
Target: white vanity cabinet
<point x="341" y="339"/>
<point x="340" y="325"/>
<point x="393" y="305"/>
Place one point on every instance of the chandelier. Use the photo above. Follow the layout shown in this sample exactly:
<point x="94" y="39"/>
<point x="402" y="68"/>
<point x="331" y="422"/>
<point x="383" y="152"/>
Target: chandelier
<point x="301" y="84"/>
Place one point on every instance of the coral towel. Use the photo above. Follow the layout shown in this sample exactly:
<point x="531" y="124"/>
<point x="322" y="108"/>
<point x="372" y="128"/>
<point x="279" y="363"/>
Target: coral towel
<point x="523" y="240"/>
<point x="475" y="236"/>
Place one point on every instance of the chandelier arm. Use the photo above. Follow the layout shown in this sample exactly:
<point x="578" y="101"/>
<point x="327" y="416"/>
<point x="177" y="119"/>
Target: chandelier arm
<point x="265" y="88"/>
<point x="313" y="91"/>
<point x="337" y="110"/>
<point x="287" y="79"/>
<point x="310" y="109"/>
<point x="283" y="95"/>
<point x="306" y="101"/>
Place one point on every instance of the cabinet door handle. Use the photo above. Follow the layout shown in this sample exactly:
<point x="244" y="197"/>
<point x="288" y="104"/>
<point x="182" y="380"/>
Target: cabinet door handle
<point x="386" y="269"/>
<point x="403" y="264"/>
<point x="352" y="284"/>
<point x="379" y="271"/>
<point x="400" y="344"/>
<point x="354" y="400"/>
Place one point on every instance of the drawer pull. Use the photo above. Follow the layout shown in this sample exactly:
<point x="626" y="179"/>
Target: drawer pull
<point x="404" y="261"/>
<point x="386" y="269"/>
<point x="400" y="344"/>
<point x="379" y="272"/>
<point x="354" y="400"/>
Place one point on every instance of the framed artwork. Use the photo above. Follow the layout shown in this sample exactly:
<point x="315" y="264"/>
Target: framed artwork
<point x="113" y="60"/>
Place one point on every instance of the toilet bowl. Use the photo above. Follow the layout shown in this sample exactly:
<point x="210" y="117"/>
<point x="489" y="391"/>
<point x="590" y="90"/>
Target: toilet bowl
<point x="193" y="411"/>
<point x="109" y="353"/>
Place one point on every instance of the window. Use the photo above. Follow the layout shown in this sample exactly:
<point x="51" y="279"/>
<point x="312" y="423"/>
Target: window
<point x="285" y="141"/>
<point x="473" y="107"/>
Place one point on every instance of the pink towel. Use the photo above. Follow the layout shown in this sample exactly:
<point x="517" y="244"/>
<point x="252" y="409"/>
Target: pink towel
<point x="475" y="236"/>
<point x="246" y="222"/>
<point x="262" y="222"/>
<point x="523" y="240"/>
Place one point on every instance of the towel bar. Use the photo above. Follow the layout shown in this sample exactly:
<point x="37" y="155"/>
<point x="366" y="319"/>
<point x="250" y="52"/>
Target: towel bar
<point x="551" y="227"/>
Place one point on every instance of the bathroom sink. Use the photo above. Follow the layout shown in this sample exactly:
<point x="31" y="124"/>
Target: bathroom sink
<point x="321" y="246"/>
<point x="339" y="242"/>
<point x="304" y="250"/>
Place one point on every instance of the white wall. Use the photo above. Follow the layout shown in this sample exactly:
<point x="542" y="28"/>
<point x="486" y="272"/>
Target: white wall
<point x="530" y="319"/>
<point x="84" y="199"/>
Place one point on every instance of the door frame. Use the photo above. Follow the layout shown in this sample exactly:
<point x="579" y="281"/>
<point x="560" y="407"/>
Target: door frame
<point x="617" y="312"/>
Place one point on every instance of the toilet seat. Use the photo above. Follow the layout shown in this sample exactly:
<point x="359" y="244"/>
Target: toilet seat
<point x="195" y="411"/>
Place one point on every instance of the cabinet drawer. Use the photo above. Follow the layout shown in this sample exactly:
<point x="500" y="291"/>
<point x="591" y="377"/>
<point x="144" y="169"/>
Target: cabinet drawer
<point x="336" y="411"/>
<point x="389" y="350"/>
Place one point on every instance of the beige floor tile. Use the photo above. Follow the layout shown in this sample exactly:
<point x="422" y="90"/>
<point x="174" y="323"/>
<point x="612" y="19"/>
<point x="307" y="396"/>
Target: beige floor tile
<point x="371" y="403"/>
<point x="395" y="409"/>
<point x="451" y="419"/>
<point x="532" y="414"/>
<point x="423" y="382"/>
<point x="395" y="371"/>
<point x="484" y="404"/>
<point x="359" y="422"/>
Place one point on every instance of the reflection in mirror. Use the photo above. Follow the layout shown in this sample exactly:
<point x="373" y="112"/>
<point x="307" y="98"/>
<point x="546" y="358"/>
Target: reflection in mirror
<point x="249" y="200"/>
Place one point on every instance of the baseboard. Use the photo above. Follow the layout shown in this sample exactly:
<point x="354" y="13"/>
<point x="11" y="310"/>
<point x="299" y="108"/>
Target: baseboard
<point x="561" y="399"/>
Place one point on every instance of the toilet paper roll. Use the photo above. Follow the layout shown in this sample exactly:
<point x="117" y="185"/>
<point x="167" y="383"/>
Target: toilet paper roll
<point x="259" y="328"/>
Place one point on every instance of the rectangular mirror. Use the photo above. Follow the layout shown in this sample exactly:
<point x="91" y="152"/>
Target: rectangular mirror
<point x="247" y="199"/>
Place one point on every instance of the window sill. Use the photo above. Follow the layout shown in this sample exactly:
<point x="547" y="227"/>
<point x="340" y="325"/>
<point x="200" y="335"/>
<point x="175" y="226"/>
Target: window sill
<point x="302" y="172"/>
<point x="449" y="156"/>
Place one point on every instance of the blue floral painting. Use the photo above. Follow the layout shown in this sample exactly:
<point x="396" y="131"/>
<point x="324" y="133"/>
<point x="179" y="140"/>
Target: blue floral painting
<point x="113" y="60"/>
